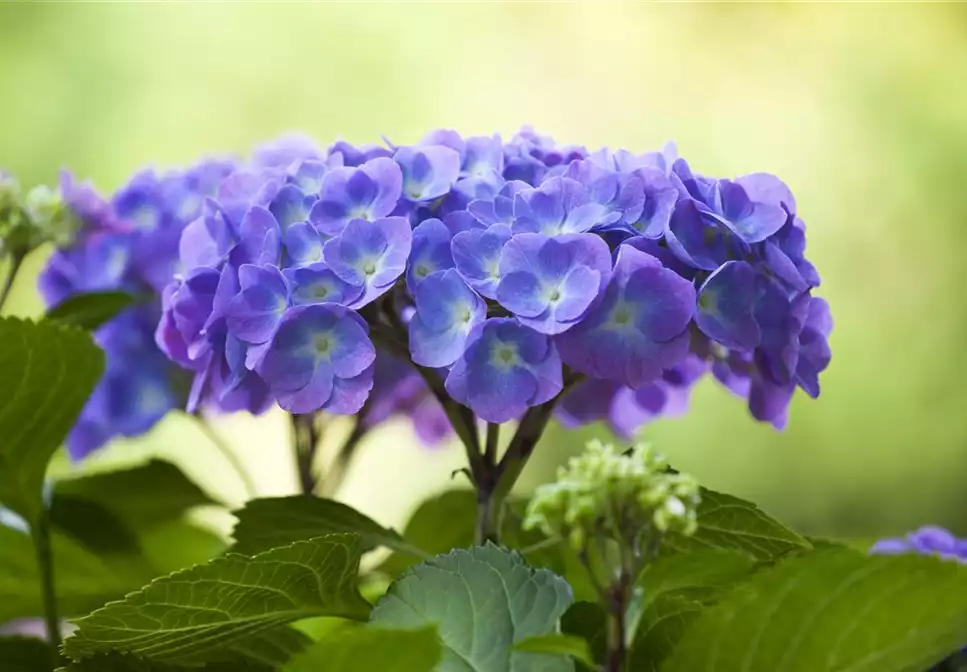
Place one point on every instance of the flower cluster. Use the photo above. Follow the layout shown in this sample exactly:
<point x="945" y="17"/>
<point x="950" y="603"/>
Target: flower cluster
<point x="618" y="495"/>
<point x="128" y="243"/>
<point x="928" y="540"/>
<point x="497" y="266"/>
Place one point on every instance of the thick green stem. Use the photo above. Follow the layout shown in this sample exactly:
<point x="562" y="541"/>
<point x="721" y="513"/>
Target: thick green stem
<point x="16" y="260"/>
<point x="616" y="658"/>
<point x="40" y="531"/>
<point x="306" y="438"/>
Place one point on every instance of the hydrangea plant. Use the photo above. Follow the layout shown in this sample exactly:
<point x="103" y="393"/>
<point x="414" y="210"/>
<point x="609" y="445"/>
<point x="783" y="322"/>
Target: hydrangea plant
<point x="477" y="286"/>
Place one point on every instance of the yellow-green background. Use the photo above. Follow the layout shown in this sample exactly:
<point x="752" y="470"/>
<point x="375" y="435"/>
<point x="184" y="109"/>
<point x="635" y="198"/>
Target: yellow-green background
<point x="861" y="108"/>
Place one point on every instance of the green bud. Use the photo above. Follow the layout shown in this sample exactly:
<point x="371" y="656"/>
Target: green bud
<point x="623" y="495"/>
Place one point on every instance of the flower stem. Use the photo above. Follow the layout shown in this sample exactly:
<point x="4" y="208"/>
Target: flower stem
<point x="306" y="438"/>
<point x="40" y="530"/>
<point x="230" y="456"/>
<point x="616" y="658"/>
<point x="16" y="260"/>
<point x="337" y="473"/>
<point x="493" y="439"/>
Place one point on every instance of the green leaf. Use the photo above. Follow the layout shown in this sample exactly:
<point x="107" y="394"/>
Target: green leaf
<point x="25" y="654"/>
<point x="698" y="576"/>
<point x="729" y="523"/>
<point x="588" y="621"/>
<point x="137" y="511"/>
<point x="157" y="491"/>
<point x="560" y="645"/>
<point x="89" y="311"/>
<point x="117" y="662"/>
<point x="84" y="581"/>
<point x="276" y="521"/>
<point x="49" y="371"/>
<point x="195" y="615"/>
<point x="372" y="649"/>
<point x="438" y="525"/>
<point x="833" y="610"/>
<point x="662" y="626"/>
<point x="484" y="600"/>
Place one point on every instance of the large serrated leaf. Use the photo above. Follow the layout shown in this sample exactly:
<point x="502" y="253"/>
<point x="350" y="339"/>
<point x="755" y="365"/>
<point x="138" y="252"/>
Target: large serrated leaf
<point x="376" y="649"/>
<point x="48" y="372"/>
<point x="729" y="523"/>
<point x="91" y="310"/>
<point x="696" y="575"/>
<point x="264" y="652"/>
<point x="833" y="610"/>
<point x="483" y="601"/>
<point x="196" y="615"/>
<point x="662" y="626"/>
<point x="276" y="521"/>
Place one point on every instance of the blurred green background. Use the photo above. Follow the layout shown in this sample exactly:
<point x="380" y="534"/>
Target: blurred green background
<point x="861" y="108"/>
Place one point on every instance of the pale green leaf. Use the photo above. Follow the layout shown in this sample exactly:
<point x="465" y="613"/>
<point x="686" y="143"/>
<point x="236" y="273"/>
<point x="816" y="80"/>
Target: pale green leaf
<point x="48" y="371"/>
<point x="195" y="615"/>
<point x="833" y="610"/>
<point x="483" y="601"/>
<point x="375" y="649"/>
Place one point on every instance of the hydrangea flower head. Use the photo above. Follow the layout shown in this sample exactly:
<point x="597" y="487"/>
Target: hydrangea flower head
<point x="928" y="540"/>
<point x="501" y="268"/>
<point x="619" y="495"/>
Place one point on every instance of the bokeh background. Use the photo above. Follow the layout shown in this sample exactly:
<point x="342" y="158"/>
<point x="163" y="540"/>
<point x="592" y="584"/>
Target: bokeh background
<point x="861" y="108"/>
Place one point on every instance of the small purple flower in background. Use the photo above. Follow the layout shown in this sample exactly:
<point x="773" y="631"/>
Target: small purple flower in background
<point x="928" y="540"/>
<point x="303" y="245"/>
<point x="131" y="243"/>
<point x="549" y="283"/>
<point x="369" y="192"/>
<point x="506" y="369"/>
<point x="640" y="326"/>
<point x="499" y="209"/>
<point x="446" y="311"/>
<point x="321" y="359"/>
<point x="700" y="239"/>
<point x="253" y="314"/>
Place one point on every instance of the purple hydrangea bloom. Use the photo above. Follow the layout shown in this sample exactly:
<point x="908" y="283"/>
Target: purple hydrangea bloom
<point x="726" y="303"/>
<point x="505" y="369"/>
<point x="446" y="311"/>
<point x="370" y="191"/>
<point x="371" y="255"/>
<point x="476" y="256"/>
<point x="639" y="327"/>
<point x="321" y="358"/>
<point x="630" y="269"/>
<point x="428" y="172"/>
<point x="559" y="206"/>
<point x="430" y="252"/>
<point x="549" y="283"/>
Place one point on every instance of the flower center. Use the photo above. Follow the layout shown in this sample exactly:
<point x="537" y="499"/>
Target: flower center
<point x="554" y="295"/>
<point x="320" y="291"/>
<point x="369" y="268"/>
<point x="323" y="345"/>
<point x="422" y="271"/>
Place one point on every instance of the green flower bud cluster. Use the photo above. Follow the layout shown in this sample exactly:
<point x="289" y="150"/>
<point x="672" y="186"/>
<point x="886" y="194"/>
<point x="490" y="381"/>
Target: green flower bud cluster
<point x="621" y="496"/>
<point x="32" y="219"/>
